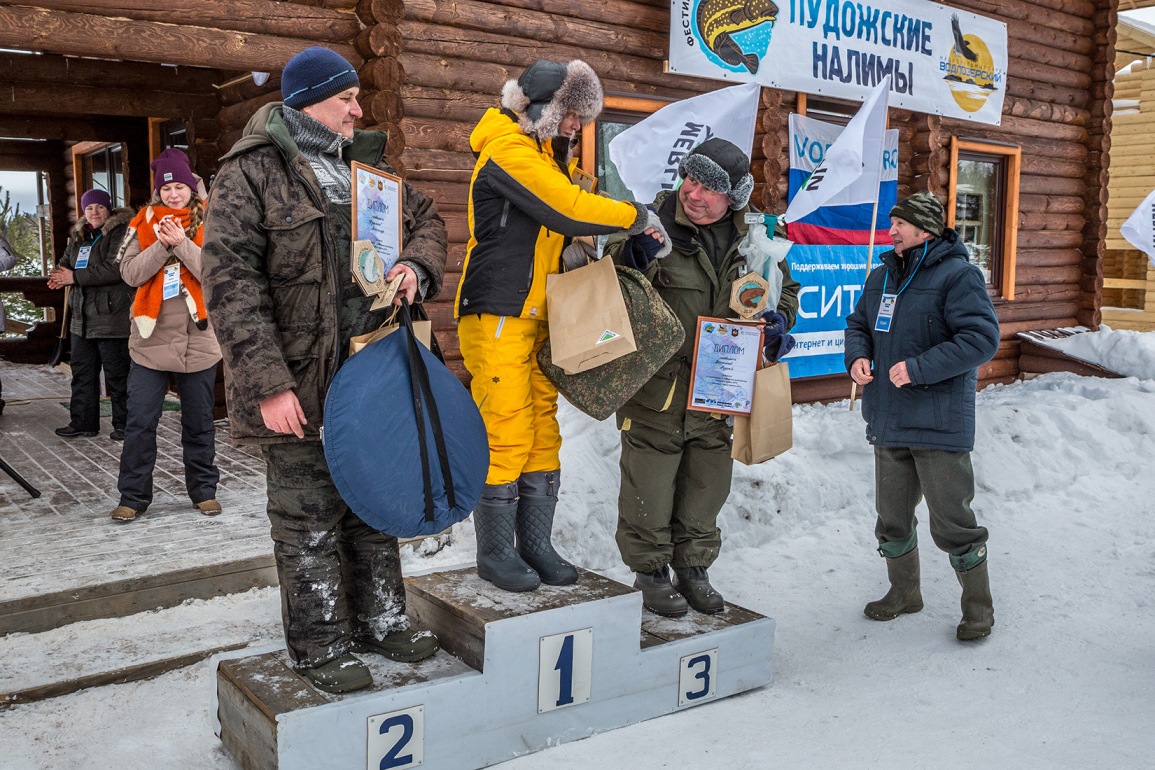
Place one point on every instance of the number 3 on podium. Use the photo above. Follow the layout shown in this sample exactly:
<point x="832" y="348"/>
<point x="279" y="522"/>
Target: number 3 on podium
<point x="564" y="669"/>
<point x="696" y="675"/>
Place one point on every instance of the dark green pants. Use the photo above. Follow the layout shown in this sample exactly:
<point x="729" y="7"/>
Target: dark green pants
<point x="340" y="578"/>
<point x="672" y="490"/>
<point x="902" y="477"/>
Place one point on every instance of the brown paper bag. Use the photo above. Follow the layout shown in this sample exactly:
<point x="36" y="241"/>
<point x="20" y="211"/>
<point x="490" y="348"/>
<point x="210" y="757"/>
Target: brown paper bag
<point x="588" y="322"/>
<point x="421" y="329"/>
<point x="769" y="429"/>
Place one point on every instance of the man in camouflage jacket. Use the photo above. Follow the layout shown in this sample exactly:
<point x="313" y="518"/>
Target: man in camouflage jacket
<point x="278" y="288"/>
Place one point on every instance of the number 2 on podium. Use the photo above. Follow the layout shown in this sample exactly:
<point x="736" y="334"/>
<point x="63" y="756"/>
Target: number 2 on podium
<point x="397" y="739"/>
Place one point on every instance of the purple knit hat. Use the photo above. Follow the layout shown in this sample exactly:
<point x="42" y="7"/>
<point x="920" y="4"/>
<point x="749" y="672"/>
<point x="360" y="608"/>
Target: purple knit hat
<point x="172" y="166"/>
<point x="99" y="197"/>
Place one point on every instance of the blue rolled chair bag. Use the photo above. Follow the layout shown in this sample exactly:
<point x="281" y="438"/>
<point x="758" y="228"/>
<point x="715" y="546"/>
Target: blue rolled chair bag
<point x="400" y="480"/>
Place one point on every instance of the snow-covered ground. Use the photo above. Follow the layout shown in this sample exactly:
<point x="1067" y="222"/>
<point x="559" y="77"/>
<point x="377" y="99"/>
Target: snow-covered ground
<point x="1066" y="486"/>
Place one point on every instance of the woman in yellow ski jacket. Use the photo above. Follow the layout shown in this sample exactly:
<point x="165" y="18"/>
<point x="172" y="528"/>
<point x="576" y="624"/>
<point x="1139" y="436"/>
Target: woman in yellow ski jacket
<point x="523" y="210"/>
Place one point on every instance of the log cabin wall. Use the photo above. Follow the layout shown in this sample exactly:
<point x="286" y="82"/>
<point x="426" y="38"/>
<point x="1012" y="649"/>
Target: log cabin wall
<point x="1057" y="110"/>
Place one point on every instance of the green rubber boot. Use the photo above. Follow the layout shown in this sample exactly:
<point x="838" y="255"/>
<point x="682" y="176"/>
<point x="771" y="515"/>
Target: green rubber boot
<point x="343" y="674"/>
<point x="905" y="594"/>
<point x="977" y="606"/>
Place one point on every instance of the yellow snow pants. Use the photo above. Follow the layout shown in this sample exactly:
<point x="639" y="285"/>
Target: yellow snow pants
<point x="517" y="402"/>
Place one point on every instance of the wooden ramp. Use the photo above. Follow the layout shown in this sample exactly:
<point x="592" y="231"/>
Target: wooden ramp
<point x="65" y="560"/>
<point x="1038" y="356"/>
<point x="517" y="673"/>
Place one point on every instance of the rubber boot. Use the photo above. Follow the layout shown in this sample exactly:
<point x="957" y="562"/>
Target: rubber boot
<point x="904" y="595"/>
<point x="977" y="607"/>
<point x="658" y="593"/>
<point x="344" y="674"/>
<point x="694" y="584"/>
<point x="497" y="561"/>
<point x="537" y="501"/>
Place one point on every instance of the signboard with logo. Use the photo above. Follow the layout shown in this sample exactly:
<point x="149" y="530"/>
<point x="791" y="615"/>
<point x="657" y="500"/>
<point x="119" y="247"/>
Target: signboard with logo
<point x="941" y="60"/>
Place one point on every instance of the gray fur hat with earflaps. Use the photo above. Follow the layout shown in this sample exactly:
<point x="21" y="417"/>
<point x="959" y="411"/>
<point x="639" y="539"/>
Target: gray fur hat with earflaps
<point x="720" y="166"/>
<point x="548" y="91"/>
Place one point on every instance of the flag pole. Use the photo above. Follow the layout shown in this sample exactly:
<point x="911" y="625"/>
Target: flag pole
<point x="870" y="247"/>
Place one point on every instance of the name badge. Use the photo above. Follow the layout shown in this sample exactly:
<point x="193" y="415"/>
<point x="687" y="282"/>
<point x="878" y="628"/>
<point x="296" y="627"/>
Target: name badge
<point x="82" y="257"/>
<point x="171" y="287"/>
<point x="885" y="312"/>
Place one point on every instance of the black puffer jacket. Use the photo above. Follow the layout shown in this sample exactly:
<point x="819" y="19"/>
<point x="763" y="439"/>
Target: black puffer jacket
<point x="101" y="302"/>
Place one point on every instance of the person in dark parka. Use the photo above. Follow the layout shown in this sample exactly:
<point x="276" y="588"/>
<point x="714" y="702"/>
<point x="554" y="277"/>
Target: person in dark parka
<point x="920" y="330"/>
<point x="99" y="305"/>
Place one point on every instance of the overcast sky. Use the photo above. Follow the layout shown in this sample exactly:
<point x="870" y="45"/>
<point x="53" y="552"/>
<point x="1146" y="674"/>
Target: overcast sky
<point x="22" y="185"/>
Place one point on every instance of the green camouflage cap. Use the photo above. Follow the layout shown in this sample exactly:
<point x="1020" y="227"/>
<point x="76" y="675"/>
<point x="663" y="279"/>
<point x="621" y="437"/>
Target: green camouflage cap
<point x="922" y="210"/>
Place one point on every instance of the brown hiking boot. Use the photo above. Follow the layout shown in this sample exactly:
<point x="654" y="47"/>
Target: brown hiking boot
<point x="209" y="507"/>
<point x="905" y="594"/>
<point x="123" y="513"/>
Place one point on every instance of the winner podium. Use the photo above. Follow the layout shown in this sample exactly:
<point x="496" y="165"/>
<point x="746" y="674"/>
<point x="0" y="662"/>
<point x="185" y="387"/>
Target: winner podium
<point x="517" y="673"/>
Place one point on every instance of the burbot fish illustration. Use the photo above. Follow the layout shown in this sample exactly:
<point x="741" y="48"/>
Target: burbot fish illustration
<point x="718" y="19"/>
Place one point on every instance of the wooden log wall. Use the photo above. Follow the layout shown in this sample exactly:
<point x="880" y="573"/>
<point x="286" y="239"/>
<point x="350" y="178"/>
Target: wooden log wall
<point x="1057" y="109"/>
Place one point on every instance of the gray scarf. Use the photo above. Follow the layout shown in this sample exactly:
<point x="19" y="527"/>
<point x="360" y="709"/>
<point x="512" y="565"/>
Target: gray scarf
<point x="322" y="147"/>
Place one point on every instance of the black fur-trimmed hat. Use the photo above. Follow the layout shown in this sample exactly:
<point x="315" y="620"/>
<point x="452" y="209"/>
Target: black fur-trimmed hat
<point x="720" y="166"/>
<point x="922" y="210"/>
<point x="548" y="91"/>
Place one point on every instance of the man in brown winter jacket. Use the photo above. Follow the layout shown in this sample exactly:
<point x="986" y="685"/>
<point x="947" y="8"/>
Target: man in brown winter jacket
<point x="279" y="291"/>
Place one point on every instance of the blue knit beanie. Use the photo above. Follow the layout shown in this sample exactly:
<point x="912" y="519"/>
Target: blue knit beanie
<point x="314" y="75"/>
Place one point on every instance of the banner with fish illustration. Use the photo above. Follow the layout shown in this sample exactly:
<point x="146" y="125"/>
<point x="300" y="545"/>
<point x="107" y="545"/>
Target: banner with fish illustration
<point x="647" y="154"/>
<point x="845" y="218"/>
<point x="942" y="60"/>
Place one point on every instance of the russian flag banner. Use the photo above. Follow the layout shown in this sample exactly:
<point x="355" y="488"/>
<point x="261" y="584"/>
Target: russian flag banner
<point x="844" y="219"/>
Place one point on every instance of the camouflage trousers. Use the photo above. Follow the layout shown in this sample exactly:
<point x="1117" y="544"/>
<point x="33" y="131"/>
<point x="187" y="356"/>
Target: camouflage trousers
<point x="340" y="578"/>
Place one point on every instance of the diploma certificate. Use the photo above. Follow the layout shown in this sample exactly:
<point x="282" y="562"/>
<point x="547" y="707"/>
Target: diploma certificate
<point x="377" y="212"/>
<point x="726" y="356"/>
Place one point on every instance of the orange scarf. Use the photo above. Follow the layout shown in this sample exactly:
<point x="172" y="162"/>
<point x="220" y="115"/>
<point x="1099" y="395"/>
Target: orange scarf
<point x="150" y="295"/>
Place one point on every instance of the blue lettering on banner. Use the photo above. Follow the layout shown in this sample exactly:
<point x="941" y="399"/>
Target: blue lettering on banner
<point x="832" y="279"/>
<point x="850" y="20"/>
<point x="864" y="69"/>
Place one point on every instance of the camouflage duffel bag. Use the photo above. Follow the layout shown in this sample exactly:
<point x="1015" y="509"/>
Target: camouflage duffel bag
<point x="601" y="391"/>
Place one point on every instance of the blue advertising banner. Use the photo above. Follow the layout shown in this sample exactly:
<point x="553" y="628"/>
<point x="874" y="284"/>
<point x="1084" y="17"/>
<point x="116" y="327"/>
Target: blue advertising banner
<point x="832" y="279"/>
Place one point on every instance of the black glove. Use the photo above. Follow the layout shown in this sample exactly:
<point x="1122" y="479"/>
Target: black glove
<point x="640" y="251"/>
<point x="776" y="342"/>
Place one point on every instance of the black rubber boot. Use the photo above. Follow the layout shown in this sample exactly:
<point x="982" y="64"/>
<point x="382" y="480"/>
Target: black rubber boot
<point x="694" y="584"/>
<point x="405" y="646"/>
<point x="497" y="559"/>
<point x="537" y="501"/>
<point x="977" y="606"/>
<point x="658" y="593"/>
<point x="905" y="594"/>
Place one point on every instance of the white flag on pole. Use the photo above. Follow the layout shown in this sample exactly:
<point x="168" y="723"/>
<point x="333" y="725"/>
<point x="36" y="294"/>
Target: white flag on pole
<point x="1139" y="229"/>
<point x="856" y="153"/>
<point x="647" y="154"/>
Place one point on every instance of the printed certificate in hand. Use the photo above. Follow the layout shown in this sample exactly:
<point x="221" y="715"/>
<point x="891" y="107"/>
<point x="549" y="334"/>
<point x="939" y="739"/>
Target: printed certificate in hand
<point x="377" y="212"/>
<point x="725" y="360"/>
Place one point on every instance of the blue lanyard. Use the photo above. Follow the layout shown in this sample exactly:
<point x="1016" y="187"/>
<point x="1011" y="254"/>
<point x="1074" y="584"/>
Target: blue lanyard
<point x="886" y="275"/>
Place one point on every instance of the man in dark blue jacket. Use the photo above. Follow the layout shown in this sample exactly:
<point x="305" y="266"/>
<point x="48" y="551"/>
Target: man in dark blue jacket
<point x="922" y="327"/>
